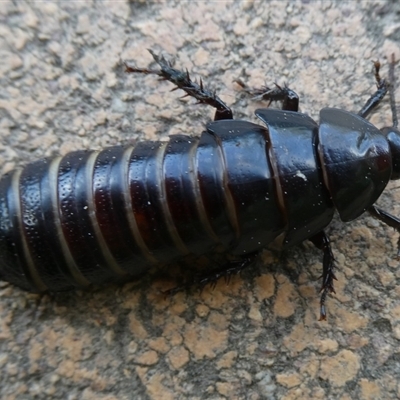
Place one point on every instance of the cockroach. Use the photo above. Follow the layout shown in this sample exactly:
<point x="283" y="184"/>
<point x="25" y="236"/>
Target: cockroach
<point x="95" y="217"/>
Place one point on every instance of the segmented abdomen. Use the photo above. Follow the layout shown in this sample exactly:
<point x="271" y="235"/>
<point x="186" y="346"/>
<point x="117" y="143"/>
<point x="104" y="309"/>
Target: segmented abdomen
<point x="98" y="217"/>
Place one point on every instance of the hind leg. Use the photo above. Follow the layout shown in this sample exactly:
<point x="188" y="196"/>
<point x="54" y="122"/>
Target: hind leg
<point x="182" y="81"/>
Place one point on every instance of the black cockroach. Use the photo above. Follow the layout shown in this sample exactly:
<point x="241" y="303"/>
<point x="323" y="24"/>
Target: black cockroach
<point x="96" y="217"/>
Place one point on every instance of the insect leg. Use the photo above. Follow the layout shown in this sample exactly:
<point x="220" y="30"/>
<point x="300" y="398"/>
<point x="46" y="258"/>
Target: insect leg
<point x="387" y="219"/>
<point x="392" y="89"/>
<point x="382" y="88"/>
<point x="288" y="97"/>
<point x="229" y="269"/>
<point x="182" y="81"/>
<point x="321" y="241"/>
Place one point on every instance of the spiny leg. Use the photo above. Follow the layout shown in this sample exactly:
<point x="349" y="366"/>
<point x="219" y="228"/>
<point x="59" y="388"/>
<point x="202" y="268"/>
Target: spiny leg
<point x="182" y="81"/>
<point x="392" y="89"/>
<point x="321" y="241"/>
<point x="387" y="219"/>
<point x="228" y="270"/>
<point x="376" y="212"/>
<point x="377" y="97"/>
<point x="288" y="97"/>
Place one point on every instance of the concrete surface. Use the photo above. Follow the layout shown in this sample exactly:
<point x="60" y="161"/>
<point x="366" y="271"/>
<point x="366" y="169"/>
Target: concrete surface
<point x="62" y="88"/>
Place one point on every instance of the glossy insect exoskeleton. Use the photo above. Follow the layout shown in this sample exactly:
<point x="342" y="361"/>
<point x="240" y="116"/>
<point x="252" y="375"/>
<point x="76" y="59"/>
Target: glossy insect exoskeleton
<point x="98" y="217"/>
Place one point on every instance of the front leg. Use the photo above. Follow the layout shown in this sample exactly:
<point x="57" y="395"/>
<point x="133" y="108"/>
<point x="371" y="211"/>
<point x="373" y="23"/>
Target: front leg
<point x="387" y="219"/>
<point x="381" y="90"/>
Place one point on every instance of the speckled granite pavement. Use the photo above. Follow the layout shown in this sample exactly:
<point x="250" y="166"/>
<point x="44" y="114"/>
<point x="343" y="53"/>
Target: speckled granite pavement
<point x="62" y="88"/>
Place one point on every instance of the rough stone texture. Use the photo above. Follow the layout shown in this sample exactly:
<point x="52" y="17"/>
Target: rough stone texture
<point x="62" y="88"/>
